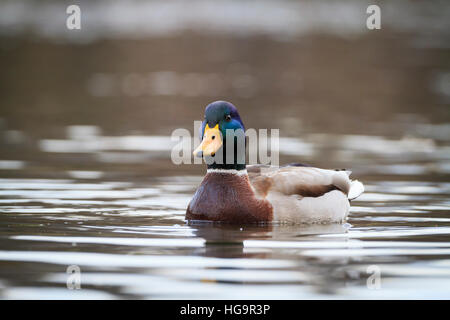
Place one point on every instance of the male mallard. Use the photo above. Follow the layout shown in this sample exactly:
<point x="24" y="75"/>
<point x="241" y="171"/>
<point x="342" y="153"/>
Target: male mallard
<point x="236" y="193"/>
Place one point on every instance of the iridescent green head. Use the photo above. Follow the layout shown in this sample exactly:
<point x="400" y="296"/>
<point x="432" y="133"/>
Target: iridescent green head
<point x="221" y="120"/>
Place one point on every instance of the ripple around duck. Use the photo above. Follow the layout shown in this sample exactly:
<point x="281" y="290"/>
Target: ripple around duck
<point x="139" y="261"/>
<point x="147" y="242"/>
<point x="130" y="240"/>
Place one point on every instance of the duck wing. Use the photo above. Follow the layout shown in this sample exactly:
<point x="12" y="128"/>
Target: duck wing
<point x="303" y="181"/>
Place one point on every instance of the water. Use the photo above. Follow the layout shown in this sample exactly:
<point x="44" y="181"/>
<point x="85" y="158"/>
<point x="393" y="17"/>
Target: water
<point x="130" y="239"/>
<point x="86" y="177"/>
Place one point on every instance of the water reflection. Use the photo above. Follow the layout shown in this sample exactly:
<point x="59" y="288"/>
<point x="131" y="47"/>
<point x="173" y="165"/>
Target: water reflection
<point x="129" y="238"/>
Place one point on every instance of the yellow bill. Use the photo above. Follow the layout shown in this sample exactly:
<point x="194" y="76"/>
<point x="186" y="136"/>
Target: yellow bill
<point x="211" y="142"/>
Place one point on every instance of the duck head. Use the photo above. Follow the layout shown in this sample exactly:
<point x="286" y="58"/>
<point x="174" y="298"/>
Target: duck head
<point x="222" y="122"/>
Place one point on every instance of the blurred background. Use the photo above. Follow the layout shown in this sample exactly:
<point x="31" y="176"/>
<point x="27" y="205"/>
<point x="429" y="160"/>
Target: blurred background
<point x="86" y="118"/>
<point x="137" y="70"/>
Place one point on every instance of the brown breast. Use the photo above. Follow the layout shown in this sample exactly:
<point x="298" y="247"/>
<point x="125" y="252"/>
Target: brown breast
<point x="228" y="197"/>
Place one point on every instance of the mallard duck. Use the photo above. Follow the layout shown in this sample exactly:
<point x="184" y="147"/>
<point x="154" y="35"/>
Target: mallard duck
<point x="234" y="192"/>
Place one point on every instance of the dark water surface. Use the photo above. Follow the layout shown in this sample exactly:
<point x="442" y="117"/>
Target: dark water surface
<point x="86" y="177"/>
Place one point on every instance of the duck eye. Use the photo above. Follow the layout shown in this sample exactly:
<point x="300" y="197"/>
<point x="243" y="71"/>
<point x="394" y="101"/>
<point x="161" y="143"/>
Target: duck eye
<point x="213" y="137"/>
<point x="228" y="117"/>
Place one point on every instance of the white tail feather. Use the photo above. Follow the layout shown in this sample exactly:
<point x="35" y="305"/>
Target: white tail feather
<point x="356" y="188"/>
<point x="341" y="180"/>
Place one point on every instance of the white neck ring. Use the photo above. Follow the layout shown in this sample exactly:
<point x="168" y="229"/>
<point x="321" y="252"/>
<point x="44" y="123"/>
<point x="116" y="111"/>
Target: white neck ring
<point x="228" y="171"/>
